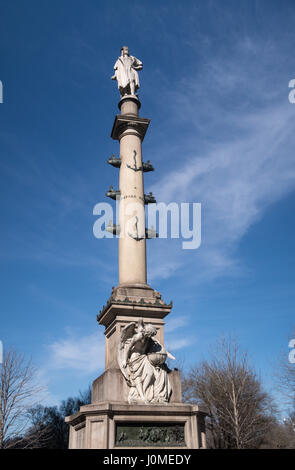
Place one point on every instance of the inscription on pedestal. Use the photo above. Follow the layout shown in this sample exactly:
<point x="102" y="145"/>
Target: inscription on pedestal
<point x="150" y="434"/>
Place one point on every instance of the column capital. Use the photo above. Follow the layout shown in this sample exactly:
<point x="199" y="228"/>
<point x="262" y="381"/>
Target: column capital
<point x="136" y="125"/>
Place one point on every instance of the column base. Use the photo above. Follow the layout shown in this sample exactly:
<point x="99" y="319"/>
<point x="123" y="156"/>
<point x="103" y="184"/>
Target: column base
<point x="111" y="425"/>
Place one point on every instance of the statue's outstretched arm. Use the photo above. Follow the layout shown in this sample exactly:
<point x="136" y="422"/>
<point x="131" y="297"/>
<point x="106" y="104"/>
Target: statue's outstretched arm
<point x="170" y="355"/>
<point x="113" y="77"/>
<point x="137" y="64"/>
<point x="167" y="352"/>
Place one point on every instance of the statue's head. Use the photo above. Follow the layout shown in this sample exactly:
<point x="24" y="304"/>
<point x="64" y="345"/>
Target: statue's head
<point x="124" y="50"/>
<point x="150" y="330"/>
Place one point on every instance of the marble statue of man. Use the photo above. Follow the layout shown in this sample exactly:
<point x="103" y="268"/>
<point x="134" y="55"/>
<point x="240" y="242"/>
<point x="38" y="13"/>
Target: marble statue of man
<point x="126" y="72"/>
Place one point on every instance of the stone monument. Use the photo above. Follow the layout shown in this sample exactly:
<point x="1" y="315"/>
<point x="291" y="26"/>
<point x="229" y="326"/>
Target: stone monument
<point x="137" y="401"/>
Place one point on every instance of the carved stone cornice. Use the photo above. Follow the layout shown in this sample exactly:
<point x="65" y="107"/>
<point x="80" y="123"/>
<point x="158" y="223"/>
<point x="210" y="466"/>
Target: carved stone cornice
<point x="130" y="308"/>
<point x="125" y="123"/>
<point x="134" y="301"/>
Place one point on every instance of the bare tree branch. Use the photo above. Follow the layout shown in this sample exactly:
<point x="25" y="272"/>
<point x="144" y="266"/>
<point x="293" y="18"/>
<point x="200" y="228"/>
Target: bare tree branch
<point x="18" y="393"/>
<point x="239" y="410"/>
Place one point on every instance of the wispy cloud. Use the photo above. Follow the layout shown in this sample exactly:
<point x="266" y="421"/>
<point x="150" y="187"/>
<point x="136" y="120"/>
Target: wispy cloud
<point x="83" y="354"/>
<point x="164" y="271"/>
<point x="175" y="323"/>
<point x="174" y="344"/>
<point x="173" y="341"/>
<point x="238" y="161"/>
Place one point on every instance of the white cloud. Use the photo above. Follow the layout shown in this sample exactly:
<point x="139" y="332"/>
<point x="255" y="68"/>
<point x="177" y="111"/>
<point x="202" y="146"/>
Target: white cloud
<point x="164" y="270"/>
<point x="175" y="323"/>
<point x="84" y="354"/>
<point x="238" y="159"/>
<point x="174" y="344"/>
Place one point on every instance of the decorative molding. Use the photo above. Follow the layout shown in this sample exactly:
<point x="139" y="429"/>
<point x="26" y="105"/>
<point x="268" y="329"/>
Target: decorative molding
<point x="125" y="123"/>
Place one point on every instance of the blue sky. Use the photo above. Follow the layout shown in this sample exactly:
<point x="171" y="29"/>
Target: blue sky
<point x="215" y="86"/>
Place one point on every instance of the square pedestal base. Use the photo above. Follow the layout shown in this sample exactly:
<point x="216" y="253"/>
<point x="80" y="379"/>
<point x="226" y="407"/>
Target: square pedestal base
<point x="111" y="425"/>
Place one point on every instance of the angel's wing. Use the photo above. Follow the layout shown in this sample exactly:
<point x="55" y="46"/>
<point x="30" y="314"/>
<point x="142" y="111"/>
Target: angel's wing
<point x="124" y="370"/>
<point x="126" y="333"/>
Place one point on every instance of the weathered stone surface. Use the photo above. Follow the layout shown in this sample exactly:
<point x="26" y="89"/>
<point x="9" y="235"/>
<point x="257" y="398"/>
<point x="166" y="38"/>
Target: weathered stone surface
<point x="111" y="386"/>
<point x="176" y="395"/>
<point x="127" y="304"/>
<point x="99" y="422"/>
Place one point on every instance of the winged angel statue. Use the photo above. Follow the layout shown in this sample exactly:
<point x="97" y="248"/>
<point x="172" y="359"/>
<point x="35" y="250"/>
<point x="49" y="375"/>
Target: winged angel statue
<point x="142" y="361"/>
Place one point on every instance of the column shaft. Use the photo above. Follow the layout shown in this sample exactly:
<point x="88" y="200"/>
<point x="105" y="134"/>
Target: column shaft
<point x="132" y="243"/>
<point x="130" y="130"/>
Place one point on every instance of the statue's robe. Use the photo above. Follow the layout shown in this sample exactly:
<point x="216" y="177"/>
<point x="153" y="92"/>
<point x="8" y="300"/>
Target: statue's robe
<point x="141" y="370"/>
<point x="155" y="382"/>
<point x="125" y="73"/>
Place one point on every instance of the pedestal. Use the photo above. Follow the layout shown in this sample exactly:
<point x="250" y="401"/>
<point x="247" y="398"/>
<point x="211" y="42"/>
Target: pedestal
<point x="110" y="425"/>
<point x="110" y="422"/>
